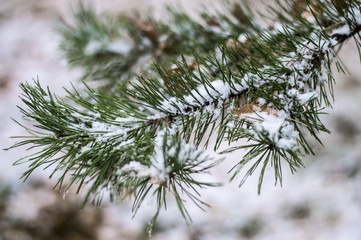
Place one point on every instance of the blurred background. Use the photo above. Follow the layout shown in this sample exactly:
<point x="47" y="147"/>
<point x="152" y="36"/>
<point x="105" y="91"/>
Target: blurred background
<point x="321" y="201"/>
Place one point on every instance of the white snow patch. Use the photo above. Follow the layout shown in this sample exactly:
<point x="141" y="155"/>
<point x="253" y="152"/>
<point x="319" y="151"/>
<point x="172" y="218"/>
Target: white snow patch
<point x="344" y="30"/>
<point x="93" y="47"/>
<point x="121" y="46"/>
<point x="261" y="101"/>
<point x="306" y="97"/>
<point x="278" y="27"/>
<point x="355" y="14"/>
<point x="273" y="126"/>
<point x="242" y="38"/>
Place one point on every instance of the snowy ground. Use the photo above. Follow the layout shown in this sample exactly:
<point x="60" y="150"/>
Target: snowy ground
<point x="322" y="201"/>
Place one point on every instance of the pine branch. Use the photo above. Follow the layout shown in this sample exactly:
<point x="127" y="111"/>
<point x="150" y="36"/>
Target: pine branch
<point x="111" y="151"/>
<point x="115" y="48"/>
<point x="268" y="86"/>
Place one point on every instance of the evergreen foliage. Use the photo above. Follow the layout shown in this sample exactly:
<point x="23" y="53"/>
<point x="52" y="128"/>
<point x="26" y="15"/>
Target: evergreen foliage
<point x="226" y="74"/>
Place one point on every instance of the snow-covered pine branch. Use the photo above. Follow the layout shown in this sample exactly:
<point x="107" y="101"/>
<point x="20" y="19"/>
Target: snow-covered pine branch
<point x="115" y="48"/>
<point x="265" y="84"/>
